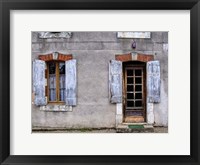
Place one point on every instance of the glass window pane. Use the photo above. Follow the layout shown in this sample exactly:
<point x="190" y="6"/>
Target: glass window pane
<point x="52" y="87"/>
<point x="52" y="81"/>
<point x="62" y="68"/>
<point x="62" y="81"/>
<point x="138" y="72"/>
<point x="52" y="68"/>
<point x="130" y="103"/>
<point x="130" y="96"/>
<point x="130" y="80"/>
<point x="138" y="80"/>
<point x="138" y="88"/>
<point x="138" y="96"/>
<point x="62" y="87"/>
<point x="130" y="88"/>
<point x="129" y="72"/>
<point x="138" y="103"/>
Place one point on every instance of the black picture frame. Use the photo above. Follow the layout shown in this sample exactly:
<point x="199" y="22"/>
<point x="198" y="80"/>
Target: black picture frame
<point x="7" y="5"/>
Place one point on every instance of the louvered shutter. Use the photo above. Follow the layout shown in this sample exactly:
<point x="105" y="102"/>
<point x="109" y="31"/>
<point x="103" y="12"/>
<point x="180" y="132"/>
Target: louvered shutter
<point x="153" y="81"/>
<point x="115" y="81"/>
<point x="70" y="82"/>
<point x="39" y="82"/>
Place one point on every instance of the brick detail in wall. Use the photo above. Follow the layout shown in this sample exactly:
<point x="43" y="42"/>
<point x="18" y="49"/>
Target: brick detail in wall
<point x="61" y="57"/>
<point x="47" y="57"/>
<point x="134" y="57"/>
<point x="145" y="57"/>
<point x="123" y="57"/>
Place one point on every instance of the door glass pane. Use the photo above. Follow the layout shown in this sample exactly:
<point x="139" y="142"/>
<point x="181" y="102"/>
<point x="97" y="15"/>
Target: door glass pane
<point x="138" y="103"/>
<point x="129" y="80"/>
<point x="138" y="88"/>
<point x="129" y="72"/>
<point x="130" y="96"/>
<point x="62" y="80"/>
<point x="52" y="81"/>
<point x="138" y="72"/>
<point x="138" y="95"/>
<point x="138" y="80"/>
<point x="130" y="88"/>
<point x="130" y="103"/>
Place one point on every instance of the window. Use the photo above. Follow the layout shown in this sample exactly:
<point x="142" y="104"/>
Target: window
<point x="55" y="81"/>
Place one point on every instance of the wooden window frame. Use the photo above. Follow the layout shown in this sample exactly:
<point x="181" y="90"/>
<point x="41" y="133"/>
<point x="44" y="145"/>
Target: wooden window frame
<point x="57" y="83"/>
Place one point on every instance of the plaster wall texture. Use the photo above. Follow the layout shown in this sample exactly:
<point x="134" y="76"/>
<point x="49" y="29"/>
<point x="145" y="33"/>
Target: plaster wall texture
<point x="93" y="51"/>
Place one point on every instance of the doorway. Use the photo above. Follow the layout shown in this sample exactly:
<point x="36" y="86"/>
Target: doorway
<point x="134" y="92"/>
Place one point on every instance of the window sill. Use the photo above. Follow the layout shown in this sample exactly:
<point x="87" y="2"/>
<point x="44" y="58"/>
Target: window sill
<point x="56" y="108"/>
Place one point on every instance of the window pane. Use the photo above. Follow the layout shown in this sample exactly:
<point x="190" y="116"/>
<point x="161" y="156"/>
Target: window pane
<point x="62" y="68"/>
<point x="138" y="72"/>
<point x="130" y="80"/>
<point x="138" y="80"/>
<point x="130" y="88"/>
<point x="130" y="103"/>
<point x="62" y="87"/>
<point x="129" y="72"/>
<point x="52" y="81"/>
<point x="52" y="87"/>
<point x="138" y="103"/>
<point x="138" y="96"/>
<point x="130" y="96"/>
<point x="62" y="80"/>
<point x="52" y="68"/>
<point x="138" y="88"/>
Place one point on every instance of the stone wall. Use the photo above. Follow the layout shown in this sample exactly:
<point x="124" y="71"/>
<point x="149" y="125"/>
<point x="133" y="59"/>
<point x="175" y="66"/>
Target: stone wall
<point x="93" y="51"/>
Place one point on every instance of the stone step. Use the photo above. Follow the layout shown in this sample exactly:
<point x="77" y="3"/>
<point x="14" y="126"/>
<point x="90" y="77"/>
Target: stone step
<point x="134" y="128"/>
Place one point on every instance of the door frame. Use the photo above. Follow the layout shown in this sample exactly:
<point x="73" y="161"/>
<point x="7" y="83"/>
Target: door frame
<point x="134" y="56"/>
<point x="134" y="119"/>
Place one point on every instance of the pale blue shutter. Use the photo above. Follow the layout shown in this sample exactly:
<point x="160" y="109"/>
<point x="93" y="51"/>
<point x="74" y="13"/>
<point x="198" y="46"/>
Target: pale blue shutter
<point x="115" y="81"/>
<point x="70" y="82"/>
<point x="39" y="82"/>
<point x="153" y="81"/>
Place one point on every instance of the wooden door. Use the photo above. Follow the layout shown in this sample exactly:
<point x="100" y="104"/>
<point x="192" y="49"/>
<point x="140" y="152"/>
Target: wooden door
<point x="134" y="93"/>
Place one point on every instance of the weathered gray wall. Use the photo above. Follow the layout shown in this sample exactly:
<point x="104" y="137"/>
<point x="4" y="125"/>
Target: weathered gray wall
<point x="93" y="52"/>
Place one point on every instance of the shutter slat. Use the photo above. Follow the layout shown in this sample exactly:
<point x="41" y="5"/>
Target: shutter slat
<point x="153" y="81"/>
<point x="70" y="82"/>
<point x="39" y="82"/>
<point x="115" y="81"/>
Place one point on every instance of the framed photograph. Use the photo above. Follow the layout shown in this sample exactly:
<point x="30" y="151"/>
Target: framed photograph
<point x="128" y="70"/>
<point x="99" y="82"/>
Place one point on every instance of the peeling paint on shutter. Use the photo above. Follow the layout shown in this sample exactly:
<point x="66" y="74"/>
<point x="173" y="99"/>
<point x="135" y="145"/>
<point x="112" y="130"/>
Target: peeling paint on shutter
<point x="39" y="82"/>
<point x="153" y="82"/>
<point x="115" y="81"/>
<point x="70" y="82"/>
